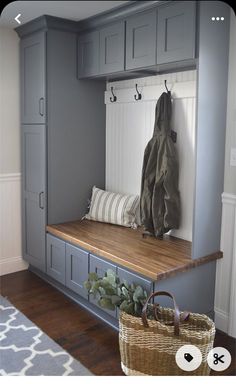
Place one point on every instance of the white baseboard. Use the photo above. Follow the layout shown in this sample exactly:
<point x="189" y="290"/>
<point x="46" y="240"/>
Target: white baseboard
<point x="11" y="265"/>
<point x="221" y="320"/>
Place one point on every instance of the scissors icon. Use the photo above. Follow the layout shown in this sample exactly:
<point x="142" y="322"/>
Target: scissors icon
<point x="217" y="358"/>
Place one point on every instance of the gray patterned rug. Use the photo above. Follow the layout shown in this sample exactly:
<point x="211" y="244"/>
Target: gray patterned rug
<point x="28" y="351"/>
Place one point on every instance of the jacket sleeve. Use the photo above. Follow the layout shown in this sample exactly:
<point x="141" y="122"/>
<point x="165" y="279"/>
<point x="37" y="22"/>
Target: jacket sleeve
<point x="171" y="191"/>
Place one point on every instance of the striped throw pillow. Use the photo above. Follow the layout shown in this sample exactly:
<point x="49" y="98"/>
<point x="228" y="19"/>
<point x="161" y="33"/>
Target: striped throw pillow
<point x="114" y="208"/>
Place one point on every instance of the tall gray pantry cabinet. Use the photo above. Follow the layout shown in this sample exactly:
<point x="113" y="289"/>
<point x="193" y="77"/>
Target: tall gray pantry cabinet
<point x="63" y="133"/>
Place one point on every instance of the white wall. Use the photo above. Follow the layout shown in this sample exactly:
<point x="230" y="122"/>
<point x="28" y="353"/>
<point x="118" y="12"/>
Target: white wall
<point x="225" y="292"/>
<point x="10" y="177"/>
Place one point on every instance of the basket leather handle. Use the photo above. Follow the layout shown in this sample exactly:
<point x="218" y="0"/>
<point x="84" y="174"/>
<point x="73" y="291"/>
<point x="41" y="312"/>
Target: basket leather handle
<point x="176" y="310"/>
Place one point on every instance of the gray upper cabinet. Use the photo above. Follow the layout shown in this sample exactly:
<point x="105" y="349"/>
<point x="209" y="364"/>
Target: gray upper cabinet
<point x="33" y="77"/>
<point x="176" y="32"/>
<point x="141" y="40"/>
<point x="56" y="267"/>
<point x="33" y="193"/>
<point x="112" y="48"/>
<point x="88" y="54"/>
<point x="76" y="269"/>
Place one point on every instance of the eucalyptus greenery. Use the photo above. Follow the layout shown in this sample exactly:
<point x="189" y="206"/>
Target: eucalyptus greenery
<point x="112" y="293"/>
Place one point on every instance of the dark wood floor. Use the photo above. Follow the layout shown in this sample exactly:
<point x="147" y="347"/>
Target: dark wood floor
<point x="80" y="333"/>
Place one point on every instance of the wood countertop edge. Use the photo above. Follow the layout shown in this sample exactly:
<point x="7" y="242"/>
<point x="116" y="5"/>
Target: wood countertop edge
<point x="192" y="263"/>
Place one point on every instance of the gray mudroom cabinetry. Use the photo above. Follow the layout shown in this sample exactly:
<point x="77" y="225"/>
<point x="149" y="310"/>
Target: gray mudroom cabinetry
<point x="63" y="158"/>
<point x="176" y="25"/>
<point x="141" y="40"/>
<point x="63" y="126"/>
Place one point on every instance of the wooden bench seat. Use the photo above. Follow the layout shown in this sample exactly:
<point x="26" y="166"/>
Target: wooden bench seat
<point x="153" y="258"/>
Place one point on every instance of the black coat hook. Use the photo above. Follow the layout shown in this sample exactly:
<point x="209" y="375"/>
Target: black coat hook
<point x="166" y="87"/>
<point x="113" y="98"/>
<point x="138" y="96"/>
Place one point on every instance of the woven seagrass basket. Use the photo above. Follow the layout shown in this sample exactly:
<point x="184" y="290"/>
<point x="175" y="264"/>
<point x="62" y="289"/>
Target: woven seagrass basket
<point x="148" y="347"/>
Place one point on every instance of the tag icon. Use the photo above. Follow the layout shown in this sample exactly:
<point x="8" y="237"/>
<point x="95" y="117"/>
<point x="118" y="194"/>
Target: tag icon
<point x="188" y="357"/>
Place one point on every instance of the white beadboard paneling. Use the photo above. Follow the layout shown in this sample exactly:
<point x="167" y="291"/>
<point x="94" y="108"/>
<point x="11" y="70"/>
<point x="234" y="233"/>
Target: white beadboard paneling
<point x="225" y="306"/>
<point x="10" y="224"/>
<point x="129" y="127"/>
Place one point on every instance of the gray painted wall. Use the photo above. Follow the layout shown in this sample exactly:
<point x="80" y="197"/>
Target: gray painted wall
<point x="76" y="131"/>
<point x="211" y="126"/>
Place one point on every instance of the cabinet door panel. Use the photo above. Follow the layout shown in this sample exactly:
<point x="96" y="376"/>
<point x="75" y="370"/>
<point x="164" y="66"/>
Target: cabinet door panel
<point x="100" y="267"/>
<point x="76" y="269"/>
<point x="88" y="54"/>
<point x="33" y="77"/>
<point x="33" y="190"/>
<point x="176" y="32"/>
<point x="56" y="267"/>
<point x="112" y="46"/>
<point x="141" y="40"/>
<point x="131" y="277"/>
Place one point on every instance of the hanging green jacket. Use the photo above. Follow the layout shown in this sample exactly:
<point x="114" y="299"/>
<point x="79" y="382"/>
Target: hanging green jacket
<point x="160" y="199"/>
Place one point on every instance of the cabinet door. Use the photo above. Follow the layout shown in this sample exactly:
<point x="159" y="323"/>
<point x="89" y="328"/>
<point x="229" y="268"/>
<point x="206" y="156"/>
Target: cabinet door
<point x="176" y="32"/>
<point x="131" y="277"/>
<point x="56" y="254"/>
<point x="100" y="267"/>
<point x="33" y="67"/>
<point x="141" y="40"/>
<point x="112" y="48"/>
<point x="88" y="54"/>
<point x="33" y="193"/>
<point x="76" y="269"/>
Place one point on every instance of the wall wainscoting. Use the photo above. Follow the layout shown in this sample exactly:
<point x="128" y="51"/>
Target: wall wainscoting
<point x="225" y="291"/>
<point x="10" y="224"/>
